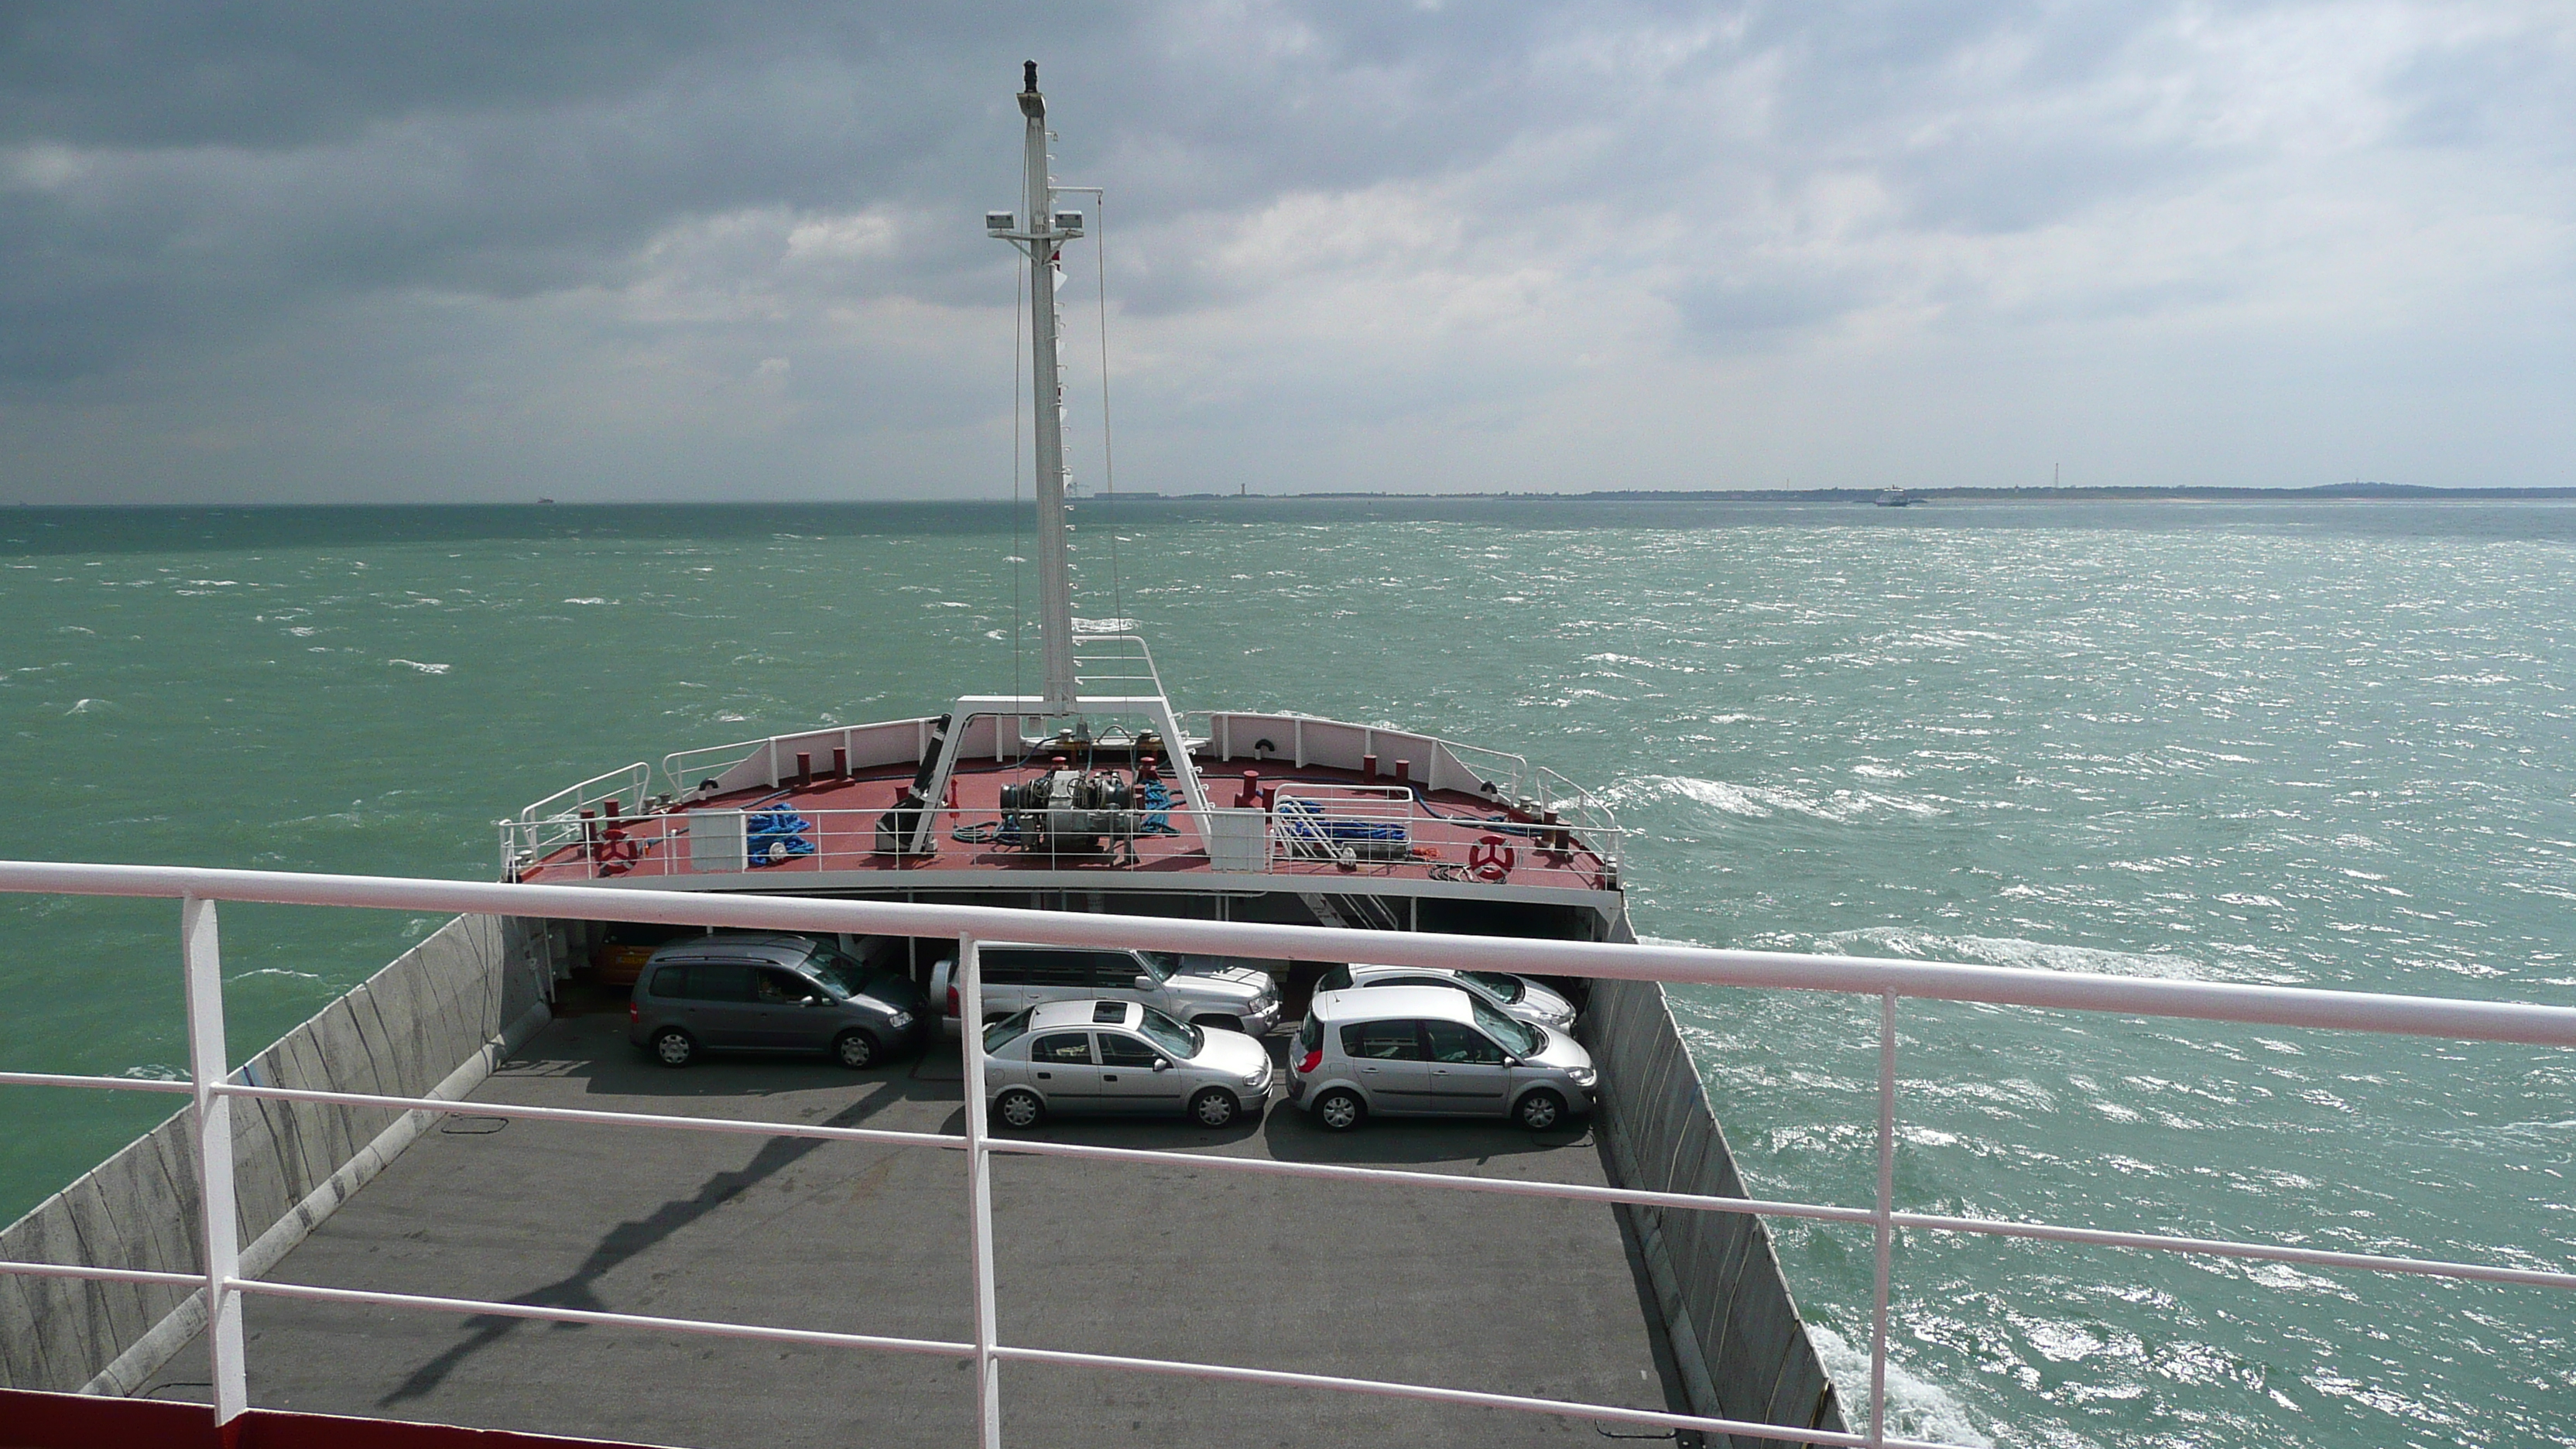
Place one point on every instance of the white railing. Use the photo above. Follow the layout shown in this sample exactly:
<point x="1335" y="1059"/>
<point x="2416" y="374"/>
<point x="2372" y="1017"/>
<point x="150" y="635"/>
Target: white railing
<point x="212" y="1093"/>
<point x="771" y="759"/>
<point x="1115" y="664"/>
<point x="567" y="815"/>
<point x="1307" y="833"/>
<point x="628" y="783"/>
<point x="1436" y="764"/>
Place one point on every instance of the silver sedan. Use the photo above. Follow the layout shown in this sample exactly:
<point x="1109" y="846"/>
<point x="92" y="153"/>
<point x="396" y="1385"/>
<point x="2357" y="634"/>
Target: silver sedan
<point x="1119" y="1056"/>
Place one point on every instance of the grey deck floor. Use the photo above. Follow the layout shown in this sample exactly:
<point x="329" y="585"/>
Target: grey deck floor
<point x="1471" y="1291"/>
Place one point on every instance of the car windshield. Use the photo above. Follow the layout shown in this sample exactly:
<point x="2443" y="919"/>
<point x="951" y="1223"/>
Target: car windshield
<point x="1161" y="965"/>
<point x="1181" y="1041"/>
<point x="1518" y="1039"/>
<point x="1006" y="1031"/>
<point x="845" y="975"/>
<point x="1506" y="987"/>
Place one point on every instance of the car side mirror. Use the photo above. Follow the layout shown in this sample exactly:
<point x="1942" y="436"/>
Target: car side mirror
<point x="1144" y="982"/>
<point x="1511" y="1061"/>
<point x="1161" y="1065"/>
<point x="811" y="1001"/>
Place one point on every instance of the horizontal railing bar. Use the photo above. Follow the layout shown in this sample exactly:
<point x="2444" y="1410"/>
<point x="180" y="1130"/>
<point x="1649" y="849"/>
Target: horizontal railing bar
<point x="2226" y="1248"/>
<point x="737" y="1126"/>
<point x="1397" y="1177"/>
<point x="104" y="1275"/>
<point x="1391" y="1177"/>
<point x="1995" y="985"/>
<point x="314" y="1292"/>
<point x="1577" y="1192"/>
<point x="112" y="1084"/>
<point x="1474" y="1397"/>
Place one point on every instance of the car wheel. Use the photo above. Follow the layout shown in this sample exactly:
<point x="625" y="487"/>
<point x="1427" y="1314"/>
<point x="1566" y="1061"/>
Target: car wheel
<point x="1540" y="1110"/>
<point x="856" y="1050"/>
<point x="1019" y="1109"/>
<point x="1214" y="1107"/>
<point x="1340" y="1110"/>
<point x="673" y="1048"/>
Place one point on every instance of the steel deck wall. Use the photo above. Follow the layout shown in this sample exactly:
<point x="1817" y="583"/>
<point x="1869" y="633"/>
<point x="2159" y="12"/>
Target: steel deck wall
<point x="1725" y="1304"/>
<point x="433" y="1022"/>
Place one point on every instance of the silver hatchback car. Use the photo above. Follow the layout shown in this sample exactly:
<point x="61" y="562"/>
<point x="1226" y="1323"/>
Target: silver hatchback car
<point x="1433" y="1051"/>
<point x="1119" y="1056"/>
<point x="1517" y="997"/>
<point x="1200" y="990"/>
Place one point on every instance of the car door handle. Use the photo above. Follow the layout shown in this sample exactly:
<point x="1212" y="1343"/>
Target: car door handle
<point x="1109" y="1079"/>
<point x="1046" y="1076"/>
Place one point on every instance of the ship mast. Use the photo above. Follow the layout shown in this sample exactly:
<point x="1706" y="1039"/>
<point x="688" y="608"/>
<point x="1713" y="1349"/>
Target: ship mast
<point x="1040" y="231"/>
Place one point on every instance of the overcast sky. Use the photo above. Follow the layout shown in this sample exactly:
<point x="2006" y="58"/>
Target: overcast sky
<point x="355" y="252"/>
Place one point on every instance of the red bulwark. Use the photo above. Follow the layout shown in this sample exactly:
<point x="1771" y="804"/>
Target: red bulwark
<point x="85" y="1421"/>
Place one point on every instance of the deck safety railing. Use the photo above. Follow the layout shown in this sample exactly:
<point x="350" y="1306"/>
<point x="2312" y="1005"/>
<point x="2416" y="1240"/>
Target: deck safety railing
<point x="1322" y="830"/>
<point x="212" y="1094"/>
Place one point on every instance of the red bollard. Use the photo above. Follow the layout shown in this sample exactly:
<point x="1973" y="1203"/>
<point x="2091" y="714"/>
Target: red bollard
<point x="804" y="769"/>
<point x="1368" y="767"/>
<point x="840" y="763"/>
<point x="1404" y="772"/>
<point x="1252" y="792"/>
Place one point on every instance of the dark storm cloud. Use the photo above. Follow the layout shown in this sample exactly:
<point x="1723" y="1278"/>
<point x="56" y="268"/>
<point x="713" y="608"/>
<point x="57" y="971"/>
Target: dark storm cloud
<point x="215" y="220"/>
<point x="223" y="164"/>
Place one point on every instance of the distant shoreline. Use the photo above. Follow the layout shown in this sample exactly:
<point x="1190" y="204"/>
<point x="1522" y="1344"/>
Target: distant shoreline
<point x="2327" y="491"/>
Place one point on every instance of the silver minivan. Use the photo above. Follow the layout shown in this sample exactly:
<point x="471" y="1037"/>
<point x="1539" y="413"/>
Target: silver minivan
<point x="745" y="992"/>
<point x="1196" y="991"/>
<point x="1433" y="1051"/>
<point x="1119" y="1056"/>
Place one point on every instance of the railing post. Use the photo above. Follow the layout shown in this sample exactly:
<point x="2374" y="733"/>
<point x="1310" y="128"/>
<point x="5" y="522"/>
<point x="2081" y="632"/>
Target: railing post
<point x="203" y="958"/>
<point x="979" y="1191"/>
<point x="1886" y="1225"/>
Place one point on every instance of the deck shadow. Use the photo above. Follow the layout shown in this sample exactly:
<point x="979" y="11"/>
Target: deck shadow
<point x="626" y="1241"/>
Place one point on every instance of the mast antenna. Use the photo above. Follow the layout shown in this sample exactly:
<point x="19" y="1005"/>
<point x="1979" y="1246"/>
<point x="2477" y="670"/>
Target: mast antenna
<point x="1041" y="231"/>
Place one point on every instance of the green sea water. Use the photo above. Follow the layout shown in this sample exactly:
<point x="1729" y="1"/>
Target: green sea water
<point x="2331" y="744"/>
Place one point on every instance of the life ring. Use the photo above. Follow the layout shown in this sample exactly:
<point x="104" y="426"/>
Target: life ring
<point x="1490" y="859"/>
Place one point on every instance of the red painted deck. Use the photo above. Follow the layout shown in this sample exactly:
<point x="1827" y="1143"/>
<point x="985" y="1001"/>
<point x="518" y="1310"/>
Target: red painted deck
<point x="1449" y="833"/>
<point x="30" y="1420"/>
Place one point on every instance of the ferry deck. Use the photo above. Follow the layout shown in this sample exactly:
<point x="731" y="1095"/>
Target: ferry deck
<point x="1510" y="1294"/>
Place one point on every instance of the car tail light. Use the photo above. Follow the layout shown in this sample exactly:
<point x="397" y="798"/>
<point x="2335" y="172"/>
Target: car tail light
<point x="952" y="1001"/>
<point x="634" y="1014"/>
<point x="1312" y="1060"/>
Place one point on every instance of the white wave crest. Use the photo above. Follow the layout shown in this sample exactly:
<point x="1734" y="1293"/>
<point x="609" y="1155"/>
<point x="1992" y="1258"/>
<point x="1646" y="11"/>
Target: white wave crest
<point x="2014" y="951"/>
<point x="423" y="668"/>
<point x="1762" y="802"/>
<point x="1917" y="1408"/>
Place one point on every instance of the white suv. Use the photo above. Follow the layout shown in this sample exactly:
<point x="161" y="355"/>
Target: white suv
<point x="1433" y="1051"/>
